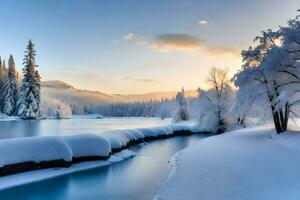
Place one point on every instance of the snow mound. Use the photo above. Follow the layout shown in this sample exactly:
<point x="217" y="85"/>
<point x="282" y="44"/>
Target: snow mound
<point x="34" y="152"/>
<point x="147" y="132"/>
<point x="35" y="149"/>
<point x="246" y="164"/>
<point x="88" y="145"/>
<point x="118" y="138"/>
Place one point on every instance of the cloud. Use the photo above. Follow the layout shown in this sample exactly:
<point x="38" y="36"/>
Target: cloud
<point x="222" y="51"/>
<point x="202" y="22"/>
<point x="128" y="36"/>
<point x="175" y="42"/>
<point x="180" y="42"/>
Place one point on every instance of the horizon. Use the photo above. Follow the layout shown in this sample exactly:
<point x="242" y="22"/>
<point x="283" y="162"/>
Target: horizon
<point x="125" y="49"/>
<point x="130" y="94"/>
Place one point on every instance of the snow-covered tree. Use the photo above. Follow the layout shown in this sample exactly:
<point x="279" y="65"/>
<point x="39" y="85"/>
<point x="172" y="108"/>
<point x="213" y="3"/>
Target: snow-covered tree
<point x="10" y="89"/>
<point x="29" y="102"/>
<point x="166" y="108"/>
<point x="2" y="81"/>
<point x="270" y="74"/>
<point x="182" y="112"/>
<point x="52" y="107"/>
<point x="215" y="103"/>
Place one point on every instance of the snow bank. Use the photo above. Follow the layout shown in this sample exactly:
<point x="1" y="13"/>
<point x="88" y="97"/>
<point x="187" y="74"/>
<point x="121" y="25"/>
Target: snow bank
<point x="88" y="145"/>
<point x="33" y="149"/>
<point x="23" y="154"/>
<point x="246" y="164"/>
<point x="118" y="139"/>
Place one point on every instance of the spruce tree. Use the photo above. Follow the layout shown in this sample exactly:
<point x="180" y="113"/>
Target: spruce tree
<point x="2" y="82"/>
<point x="29" y="102"/>
<point x="10" y="89"/>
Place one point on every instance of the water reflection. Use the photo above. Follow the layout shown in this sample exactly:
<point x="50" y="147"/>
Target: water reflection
<point x="11" y="129"/>
<point x="134" y="179"/>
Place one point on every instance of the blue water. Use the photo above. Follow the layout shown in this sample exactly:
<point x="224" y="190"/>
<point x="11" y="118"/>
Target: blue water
<point x="137" y="178"/>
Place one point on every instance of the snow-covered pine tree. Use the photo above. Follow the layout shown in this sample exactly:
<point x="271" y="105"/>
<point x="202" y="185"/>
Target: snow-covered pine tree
<point x="38" y="79"/>
<point x="3" y="76"/>
<point x="29" y="102"/>
<point x="4" y="70"/>
<point x="10" y="89"/>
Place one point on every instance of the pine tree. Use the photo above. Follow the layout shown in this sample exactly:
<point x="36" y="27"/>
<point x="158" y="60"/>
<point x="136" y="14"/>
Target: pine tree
<point x="10" y="89"/>
<point x="4" y="70"/>
<point x="2" y="82"/>
<point x="29" y="102"/>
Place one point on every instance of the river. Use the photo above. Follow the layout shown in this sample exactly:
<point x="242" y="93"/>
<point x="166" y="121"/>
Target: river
<point x="137" y="178"/>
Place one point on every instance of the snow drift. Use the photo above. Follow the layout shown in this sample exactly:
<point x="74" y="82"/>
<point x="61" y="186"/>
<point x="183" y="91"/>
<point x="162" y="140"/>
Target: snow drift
<point x="248" y="164"/>
<point x="88" y="147"/>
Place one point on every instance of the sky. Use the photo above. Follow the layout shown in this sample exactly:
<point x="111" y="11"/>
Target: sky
<point x="136" y="46"/>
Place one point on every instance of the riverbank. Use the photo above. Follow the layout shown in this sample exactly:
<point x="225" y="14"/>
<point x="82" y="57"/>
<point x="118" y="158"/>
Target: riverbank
<point x="132" y="179"/>
<point x="71" y="153"/>
<point x="248" y="164"/>
<point x="19" y="179"/>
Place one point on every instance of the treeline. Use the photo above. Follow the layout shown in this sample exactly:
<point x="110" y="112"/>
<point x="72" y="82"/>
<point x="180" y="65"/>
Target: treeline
<point x="21" y="99"/>
<point x="155" y="108"/>
<point x="161" y="109"/>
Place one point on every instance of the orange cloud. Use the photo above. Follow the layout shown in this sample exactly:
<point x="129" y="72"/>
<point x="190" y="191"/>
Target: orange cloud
<point x="223" y="51"/>
<point x="175" y="42"/>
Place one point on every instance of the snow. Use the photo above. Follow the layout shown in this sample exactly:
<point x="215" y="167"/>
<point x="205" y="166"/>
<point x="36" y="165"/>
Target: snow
<point x="248" y="164"/>
<point x="35" y="149"/>
<point x="43" y="174"/>
<point x="114" y="159"/>
<point x="118" y="138"/>
<point x="88" y="145"/>
<point x="125" y="154"/>
<point x="147" y="132"/>
<point x="68" y="148"/>
<point x="4" y="117"/>
<point x="185" y="126"/>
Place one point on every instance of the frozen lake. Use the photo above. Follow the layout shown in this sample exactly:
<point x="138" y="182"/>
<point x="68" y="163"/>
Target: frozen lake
<point x="133" y="179"/>
<point x="19" y="128"/>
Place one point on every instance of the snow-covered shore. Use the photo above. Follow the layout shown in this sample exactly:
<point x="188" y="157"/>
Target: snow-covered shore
<point x="248" y="164"/>
<point x="18" y="179"/>
<point x="30" y="153"/>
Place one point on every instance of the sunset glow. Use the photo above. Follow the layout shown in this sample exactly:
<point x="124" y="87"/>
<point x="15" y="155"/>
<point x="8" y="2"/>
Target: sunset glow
<point x="136" y="46"/>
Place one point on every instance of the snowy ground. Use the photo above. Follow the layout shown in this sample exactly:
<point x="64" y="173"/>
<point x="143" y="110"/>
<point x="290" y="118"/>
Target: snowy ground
<point x="247" y="164"/>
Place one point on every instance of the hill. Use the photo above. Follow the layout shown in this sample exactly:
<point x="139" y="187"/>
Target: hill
<point x="67" y="93"/>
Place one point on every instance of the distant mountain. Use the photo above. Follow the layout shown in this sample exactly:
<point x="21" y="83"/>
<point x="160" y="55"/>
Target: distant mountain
<point x="71" y="95"/>
<point x="67" y="93"/>
<point x="56" y="85"/>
